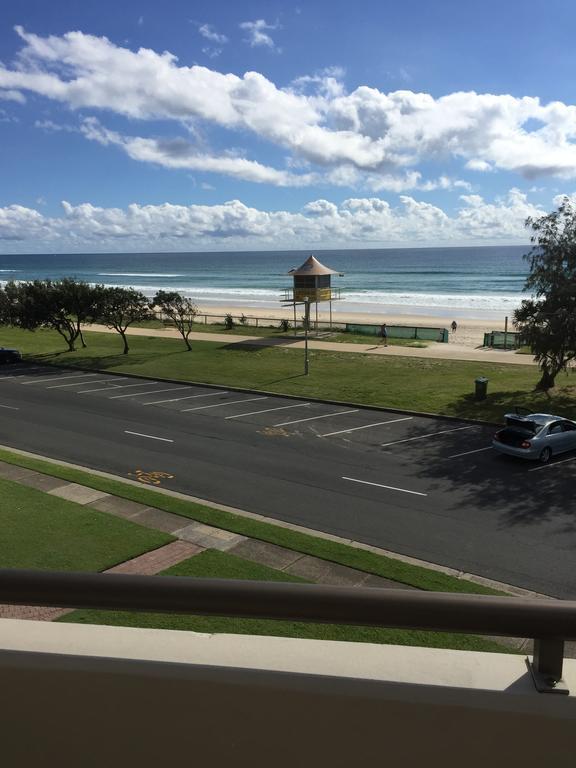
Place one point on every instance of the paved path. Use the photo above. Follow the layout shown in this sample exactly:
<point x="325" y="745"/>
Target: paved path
<point x="451" y="351"/>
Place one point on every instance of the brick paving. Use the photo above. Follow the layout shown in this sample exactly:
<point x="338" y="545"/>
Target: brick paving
<point x="148" y="564"/>
<point x="151" y="563"/>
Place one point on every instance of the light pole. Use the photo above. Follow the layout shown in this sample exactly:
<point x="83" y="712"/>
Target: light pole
<point x="306" y="324"/>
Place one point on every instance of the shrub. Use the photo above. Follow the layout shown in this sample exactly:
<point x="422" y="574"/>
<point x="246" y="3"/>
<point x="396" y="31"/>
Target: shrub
<point x="229" y="323"/>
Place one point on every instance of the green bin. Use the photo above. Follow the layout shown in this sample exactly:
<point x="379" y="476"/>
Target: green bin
<point x="481" y="387"/>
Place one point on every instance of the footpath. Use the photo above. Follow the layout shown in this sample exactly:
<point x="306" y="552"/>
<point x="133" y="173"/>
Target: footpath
<point x="193" y="537"/>
<point x="450" y="351"/>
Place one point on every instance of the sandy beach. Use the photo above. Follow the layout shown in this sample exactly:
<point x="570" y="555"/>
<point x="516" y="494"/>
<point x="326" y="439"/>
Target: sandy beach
<point x="470" y="332"/>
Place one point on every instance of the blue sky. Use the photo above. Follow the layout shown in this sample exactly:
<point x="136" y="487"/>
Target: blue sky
<point x="224" y="125"/>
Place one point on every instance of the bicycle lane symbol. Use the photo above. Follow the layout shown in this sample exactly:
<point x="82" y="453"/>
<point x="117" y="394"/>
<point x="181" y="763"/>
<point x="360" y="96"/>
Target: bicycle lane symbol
<point x="150" y="477"/>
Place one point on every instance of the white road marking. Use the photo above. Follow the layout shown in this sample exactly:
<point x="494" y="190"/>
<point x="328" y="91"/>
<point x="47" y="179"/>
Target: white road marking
<point x="10" y="407"/>
<point x="100" y="389"/>
<point x="187" y="397"/>
<point x="467" y="453"/>
<point x="152" y="437"/>
<point x="228" y="402"/>
<point x="554" y="464"/>
<point x="389" y="487"/>
<point x="268" y="410"/>
<point x="60" y="378"/>
<point x="153" y="392"/>
<point x="311" y="418"/>
<point x="366" y="426"/>
<point x="131" y="386"/>
<point x="430" y="434"/>
<point x="83" y="383"/>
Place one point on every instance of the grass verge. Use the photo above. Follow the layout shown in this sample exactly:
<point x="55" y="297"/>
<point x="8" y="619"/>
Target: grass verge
<point x="213" y="564"/>
<point x="389" y="568"/>
<point x="420" y="384"/>
<point x="49" y="533"/>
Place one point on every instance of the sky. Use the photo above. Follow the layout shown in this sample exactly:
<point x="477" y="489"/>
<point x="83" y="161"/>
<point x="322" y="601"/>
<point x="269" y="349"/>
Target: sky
<point x="221" y="125"/>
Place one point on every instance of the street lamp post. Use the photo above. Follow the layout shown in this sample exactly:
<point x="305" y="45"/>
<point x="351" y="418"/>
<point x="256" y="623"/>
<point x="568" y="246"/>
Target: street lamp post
<point x="306" y="325"/>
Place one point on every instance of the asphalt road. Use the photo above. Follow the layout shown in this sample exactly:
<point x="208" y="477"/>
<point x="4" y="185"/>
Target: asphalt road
<point x="425" y="487"/>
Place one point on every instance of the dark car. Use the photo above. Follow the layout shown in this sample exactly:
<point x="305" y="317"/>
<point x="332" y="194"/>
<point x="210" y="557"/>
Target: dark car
<point x="9" y="355"/>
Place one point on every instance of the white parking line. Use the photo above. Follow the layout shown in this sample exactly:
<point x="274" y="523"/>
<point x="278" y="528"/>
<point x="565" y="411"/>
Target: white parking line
<point x="10" y="407"/>
<point x="311" y="418"/>
<point x="430" y="434"/>
<point x="555" y="464"/>
<point x="228" y="402"/>
<point x="83" y="383"/>
<point x="389" y="487"/>
<point x="467" y="453"/>
<point x="186" y="397"/>
<point x="131" y="386"/>
<point x="366" y="426"/>
<point x="100" y="389"/>
<point x="268" y="410"/>
<point x="153" y="392"/>
<point x="60" y="378"/>
<point x="152" y="437"/>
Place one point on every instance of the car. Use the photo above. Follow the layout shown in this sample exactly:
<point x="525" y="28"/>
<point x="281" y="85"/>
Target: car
<point x="535" y="436"/>
<point x="9" y="355"/>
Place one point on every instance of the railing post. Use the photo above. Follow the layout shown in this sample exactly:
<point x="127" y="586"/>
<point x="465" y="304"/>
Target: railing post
<point x="546" y="665"/>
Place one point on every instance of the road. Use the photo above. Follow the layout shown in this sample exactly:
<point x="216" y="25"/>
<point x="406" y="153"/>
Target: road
<point x="421" y="486"/>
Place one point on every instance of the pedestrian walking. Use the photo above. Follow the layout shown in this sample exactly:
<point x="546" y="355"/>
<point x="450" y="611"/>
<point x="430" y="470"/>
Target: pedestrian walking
<point x="454" y="326"/>
<point x="384" y="334"/>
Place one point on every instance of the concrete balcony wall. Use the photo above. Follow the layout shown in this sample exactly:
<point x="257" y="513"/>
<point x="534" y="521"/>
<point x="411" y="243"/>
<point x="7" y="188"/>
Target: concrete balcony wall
<point x="83" y="696"/>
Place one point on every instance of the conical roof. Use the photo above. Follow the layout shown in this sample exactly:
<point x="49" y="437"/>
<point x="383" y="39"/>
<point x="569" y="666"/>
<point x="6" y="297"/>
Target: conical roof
<point x="313" y="267"/>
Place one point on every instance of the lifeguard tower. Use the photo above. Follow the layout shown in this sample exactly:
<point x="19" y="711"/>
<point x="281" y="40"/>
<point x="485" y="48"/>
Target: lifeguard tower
<point x="312" y="285"/>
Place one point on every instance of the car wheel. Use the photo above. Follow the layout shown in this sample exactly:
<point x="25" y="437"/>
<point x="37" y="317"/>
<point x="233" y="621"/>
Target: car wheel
<point x="545" y="455"/>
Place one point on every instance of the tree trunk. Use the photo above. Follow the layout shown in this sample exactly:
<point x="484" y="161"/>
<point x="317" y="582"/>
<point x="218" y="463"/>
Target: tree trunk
<point x="188" y="345"/>
<point x="81" y="337"/>
<point x="125" y="340"/>
<point x="546" y="382"/>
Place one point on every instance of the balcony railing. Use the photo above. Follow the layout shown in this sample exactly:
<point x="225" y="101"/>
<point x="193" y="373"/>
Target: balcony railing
<point x="548" y="622"/>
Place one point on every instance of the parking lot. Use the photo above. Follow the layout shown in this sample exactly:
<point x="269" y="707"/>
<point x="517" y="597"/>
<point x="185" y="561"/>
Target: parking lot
<point x="425" y="486"/>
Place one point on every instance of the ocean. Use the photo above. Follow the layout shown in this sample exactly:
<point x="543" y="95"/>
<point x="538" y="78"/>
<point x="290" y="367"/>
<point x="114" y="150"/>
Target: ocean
<point x="482" y="282"/>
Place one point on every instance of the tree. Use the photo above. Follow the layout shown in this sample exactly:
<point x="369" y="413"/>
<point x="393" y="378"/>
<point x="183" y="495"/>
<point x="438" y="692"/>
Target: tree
<point x="40" y="304"/>
<point x="81" y="300"/>
<point x="547" y="321"/>
<point x="120" y="307"/>
<point x="179" y="309"/>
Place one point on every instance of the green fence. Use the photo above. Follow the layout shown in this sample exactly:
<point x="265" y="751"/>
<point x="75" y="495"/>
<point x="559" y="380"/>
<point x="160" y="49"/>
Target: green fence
<point x="502" y="340"/>
<point x="424" y="333"/>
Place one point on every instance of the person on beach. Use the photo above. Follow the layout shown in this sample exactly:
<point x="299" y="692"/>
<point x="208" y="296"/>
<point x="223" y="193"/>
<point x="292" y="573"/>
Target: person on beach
<point x="384" y="334"/>
<point x="454" y="326"/>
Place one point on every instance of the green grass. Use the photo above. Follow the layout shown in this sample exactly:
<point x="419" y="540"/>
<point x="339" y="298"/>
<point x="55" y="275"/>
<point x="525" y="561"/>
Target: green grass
<point x="361" y="338"/>
<point x="48" y="533"/>
<point x="428" y="385"/>
<point x="370" y="562"/>
<point x="212" y="564"/>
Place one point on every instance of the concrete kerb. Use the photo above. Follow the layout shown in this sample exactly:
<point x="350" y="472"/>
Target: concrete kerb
<point x="446" y="570"/>
<point x="245" y="390"/>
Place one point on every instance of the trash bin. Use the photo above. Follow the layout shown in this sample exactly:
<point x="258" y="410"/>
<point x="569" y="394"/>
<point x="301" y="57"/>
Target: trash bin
<point x="481" y="387"/>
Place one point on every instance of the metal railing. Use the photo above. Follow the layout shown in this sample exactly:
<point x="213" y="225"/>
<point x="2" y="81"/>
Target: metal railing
<point x="548" y="622"/>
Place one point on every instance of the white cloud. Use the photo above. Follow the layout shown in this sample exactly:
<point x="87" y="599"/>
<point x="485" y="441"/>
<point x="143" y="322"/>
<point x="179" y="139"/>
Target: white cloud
<point x="10" y="95"/>
<point x="257" y="35"/>
<point x="377" y="134"/>
<point x="208" y="31"/>
<point x="356" y="222"/>
<point x="179" y="153"/>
